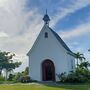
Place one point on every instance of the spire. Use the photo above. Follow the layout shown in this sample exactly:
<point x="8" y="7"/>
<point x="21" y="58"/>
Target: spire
<point x="46" y="11"/>
<point x="46" y="18"/>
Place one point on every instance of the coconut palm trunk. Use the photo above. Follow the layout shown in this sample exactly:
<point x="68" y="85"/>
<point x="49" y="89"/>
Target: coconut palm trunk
<point x="77" y="62"/>
<point x="80" y="57"/>
<point x="6" y="76"/>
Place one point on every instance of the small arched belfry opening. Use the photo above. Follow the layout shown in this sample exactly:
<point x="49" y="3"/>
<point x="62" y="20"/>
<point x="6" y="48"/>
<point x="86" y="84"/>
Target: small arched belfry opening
<point x="48" y="70"/>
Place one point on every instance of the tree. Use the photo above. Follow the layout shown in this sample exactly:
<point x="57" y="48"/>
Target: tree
<point x="7" y="62"/>
<point x="80" y="57"/>
<point x="10" y="66"/>
<point x="3" y="58"/>
<point x="26" y="72"/>
<point x="85" y="65"/>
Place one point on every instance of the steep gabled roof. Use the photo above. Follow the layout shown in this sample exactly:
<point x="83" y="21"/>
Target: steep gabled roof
<point x="60" y="40"/>
<point x="46" y="20"/>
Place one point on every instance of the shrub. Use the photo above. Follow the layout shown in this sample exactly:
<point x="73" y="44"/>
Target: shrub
<point x="62" y="77"/>
<point x="2" y="78"/>
<point x="83" y="71"/>
<point x="17" y="77"/>
<point x="25" y="79"/>
<point x="11" y="77"/>
<point x="72" y="78"/>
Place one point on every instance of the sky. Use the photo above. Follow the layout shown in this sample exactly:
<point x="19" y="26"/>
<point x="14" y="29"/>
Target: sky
<point x="21" y="21"/>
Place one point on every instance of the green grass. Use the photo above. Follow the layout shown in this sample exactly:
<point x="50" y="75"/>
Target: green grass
<point x="44" y="87"/>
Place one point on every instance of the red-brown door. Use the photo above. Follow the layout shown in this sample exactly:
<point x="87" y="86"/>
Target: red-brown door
<point x="48" y="71"/>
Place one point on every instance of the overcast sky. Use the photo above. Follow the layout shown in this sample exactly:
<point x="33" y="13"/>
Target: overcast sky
<point x="21" y="22"/>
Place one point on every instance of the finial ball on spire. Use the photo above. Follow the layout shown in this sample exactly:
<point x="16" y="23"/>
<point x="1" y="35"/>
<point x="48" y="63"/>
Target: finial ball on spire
<point x="46" y="18"/>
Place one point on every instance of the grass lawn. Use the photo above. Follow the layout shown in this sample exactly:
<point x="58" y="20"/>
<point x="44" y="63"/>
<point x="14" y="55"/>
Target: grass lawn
<point x="35" y="86"/>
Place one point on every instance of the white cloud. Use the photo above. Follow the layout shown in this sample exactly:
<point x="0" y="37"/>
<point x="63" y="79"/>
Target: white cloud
<point x="79" y="30"/>
<point x="2" y="35"/>
<point x="65" y="11"/>
<point x="20" y="26"/>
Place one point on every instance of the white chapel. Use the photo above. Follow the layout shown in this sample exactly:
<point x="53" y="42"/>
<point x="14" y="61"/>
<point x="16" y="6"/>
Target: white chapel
<point x="49" y="55"/>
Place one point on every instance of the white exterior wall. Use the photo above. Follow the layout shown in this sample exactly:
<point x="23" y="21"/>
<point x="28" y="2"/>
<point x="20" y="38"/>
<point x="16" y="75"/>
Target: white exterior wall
<point x="48" y="48"/>
<point x="71" y="63"/>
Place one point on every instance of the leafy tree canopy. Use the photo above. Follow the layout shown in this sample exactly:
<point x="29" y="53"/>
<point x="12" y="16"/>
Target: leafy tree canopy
<point x="7" y="62"/>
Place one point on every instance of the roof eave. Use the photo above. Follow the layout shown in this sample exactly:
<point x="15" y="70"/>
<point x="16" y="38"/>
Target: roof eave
<point x="71" y="53"/>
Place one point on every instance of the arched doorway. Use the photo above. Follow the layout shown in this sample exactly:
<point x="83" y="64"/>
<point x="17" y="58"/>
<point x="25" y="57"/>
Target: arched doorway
<point x="48" y="70"/>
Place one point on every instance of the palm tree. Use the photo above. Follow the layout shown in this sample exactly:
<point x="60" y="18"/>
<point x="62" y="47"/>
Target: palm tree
<point x="85" y="64"/>
<point x="80" y="57"/>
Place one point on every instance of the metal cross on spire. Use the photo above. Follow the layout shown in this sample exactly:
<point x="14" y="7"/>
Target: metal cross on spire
<point x="46" y="11"/>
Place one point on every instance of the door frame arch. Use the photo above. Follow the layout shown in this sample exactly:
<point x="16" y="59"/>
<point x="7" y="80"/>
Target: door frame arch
<point x="44" y="63"/>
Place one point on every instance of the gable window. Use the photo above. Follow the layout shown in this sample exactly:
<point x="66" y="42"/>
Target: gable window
<point x="46" y="35"/>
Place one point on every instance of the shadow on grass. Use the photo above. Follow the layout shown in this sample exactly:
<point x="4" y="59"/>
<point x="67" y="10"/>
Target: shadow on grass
<point x="67" y="86"/>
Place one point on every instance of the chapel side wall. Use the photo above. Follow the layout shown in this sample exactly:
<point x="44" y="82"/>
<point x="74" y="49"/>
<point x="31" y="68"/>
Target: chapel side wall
<point x="71" y="63"/>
